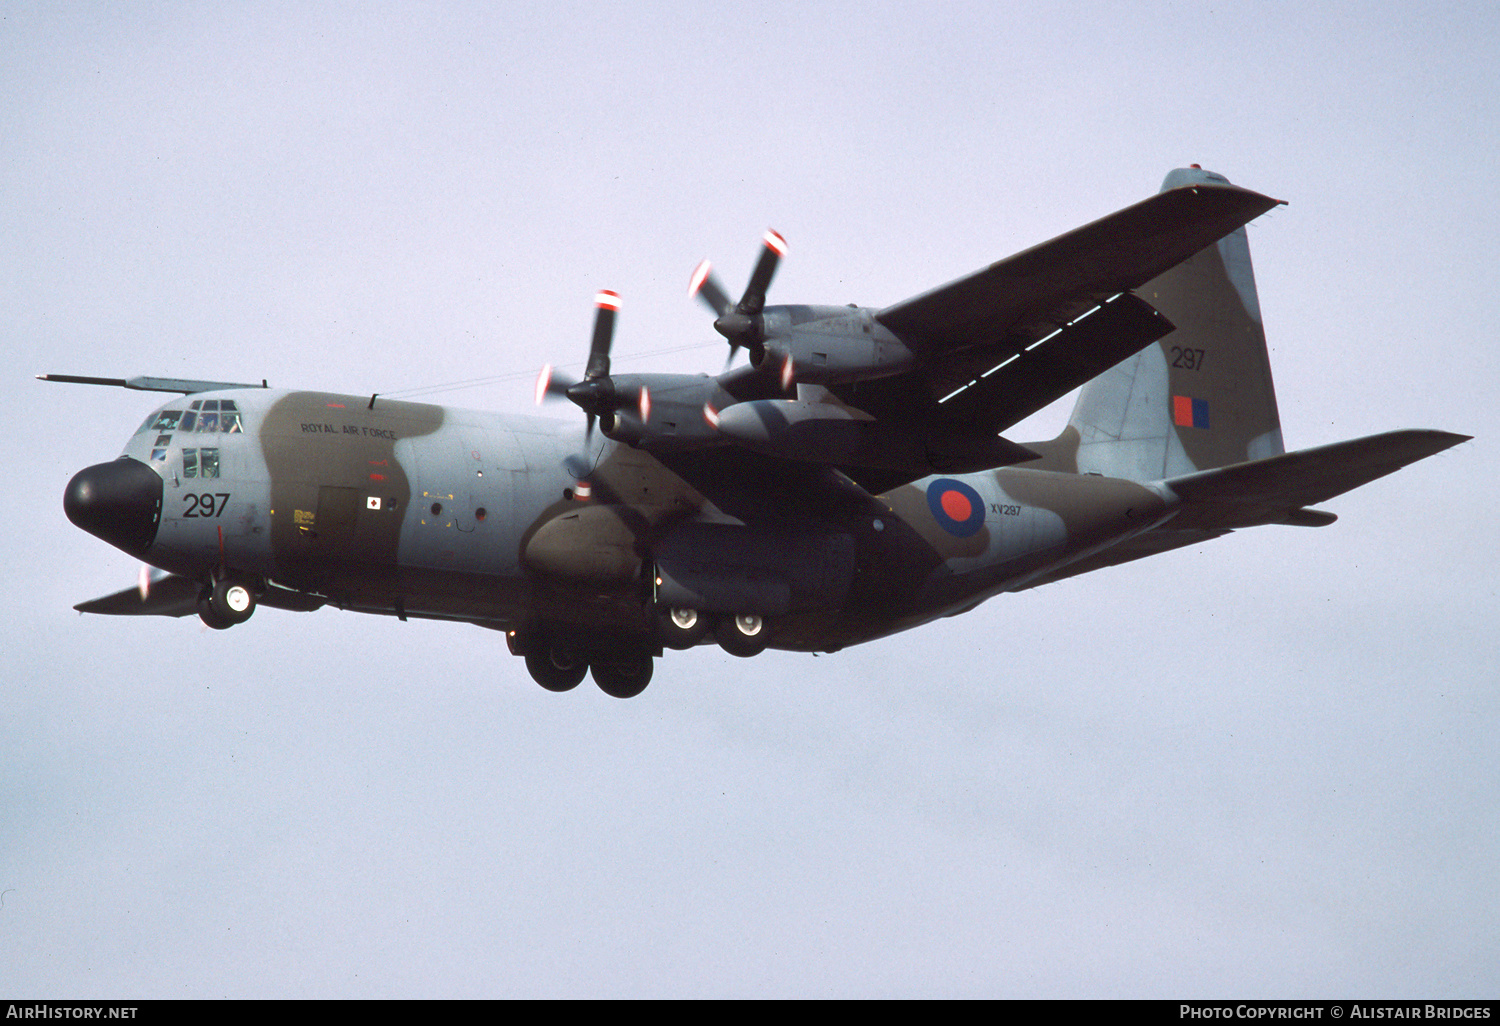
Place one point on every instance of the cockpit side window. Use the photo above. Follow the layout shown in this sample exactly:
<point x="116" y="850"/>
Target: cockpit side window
<point x="190" y="463"/>
<point x="208" y="462"/>
<point x="167" y="420"/>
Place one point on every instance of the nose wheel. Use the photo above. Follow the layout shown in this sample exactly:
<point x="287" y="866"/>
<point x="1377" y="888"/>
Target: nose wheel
<point x="227" y="601"/>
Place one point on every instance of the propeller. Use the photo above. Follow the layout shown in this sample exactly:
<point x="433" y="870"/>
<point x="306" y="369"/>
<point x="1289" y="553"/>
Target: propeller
<point x="741" y="322"/>
<point x="596" y="393"/>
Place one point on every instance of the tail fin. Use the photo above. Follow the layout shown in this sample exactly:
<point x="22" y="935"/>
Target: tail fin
<point x="1202" y="396"/>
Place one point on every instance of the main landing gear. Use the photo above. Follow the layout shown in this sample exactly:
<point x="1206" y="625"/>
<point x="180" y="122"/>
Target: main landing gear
<point x="625" y="676"/>
<point x="226" y="601"/>
<point x="741" y="635"/>
<point x="558" y="658"/>
<point x="621" y="672"/>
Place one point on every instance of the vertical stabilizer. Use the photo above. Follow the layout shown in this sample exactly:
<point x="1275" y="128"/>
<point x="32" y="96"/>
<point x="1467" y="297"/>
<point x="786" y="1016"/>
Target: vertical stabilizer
<point x="1202" y="396"/>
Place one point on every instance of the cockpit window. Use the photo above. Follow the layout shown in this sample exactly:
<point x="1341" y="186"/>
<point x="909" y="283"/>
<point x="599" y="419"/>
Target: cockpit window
<point x="190" y="463"/>
<point x="208" y="462"/>
<point x="206" y="416"/>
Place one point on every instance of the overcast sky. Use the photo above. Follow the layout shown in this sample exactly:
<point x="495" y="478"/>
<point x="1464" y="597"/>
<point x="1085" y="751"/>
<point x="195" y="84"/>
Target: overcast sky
<point x="1266" y="766"/>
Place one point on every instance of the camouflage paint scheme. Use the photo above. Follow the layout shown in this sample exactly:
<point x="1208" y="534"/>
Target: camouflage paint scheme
<point x="818" y="511"/>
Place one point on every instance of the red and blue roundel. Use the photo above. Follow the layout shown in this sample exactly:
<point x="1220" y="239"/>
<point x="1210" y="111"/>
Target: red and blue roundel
<point x="956" y="507"/>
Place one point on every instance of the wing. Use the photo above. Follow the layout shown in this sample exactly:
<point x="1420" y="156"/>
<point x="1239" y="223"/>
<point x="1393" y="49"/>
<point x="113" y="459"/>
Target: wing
<point x="168" y="596"/>
<point x="883" y="397"/>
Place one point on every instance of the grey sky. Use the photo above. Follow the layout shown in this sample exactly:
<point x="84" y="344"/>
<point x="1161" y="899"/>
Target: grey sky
<point x="1266" y="766"/>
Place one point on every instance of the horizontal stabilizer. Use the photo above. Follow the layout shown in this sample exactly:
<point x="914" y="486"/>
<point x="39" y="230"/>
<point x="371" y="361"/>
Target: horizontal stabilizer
<point x="185" y="386"/>
<point x="1270" y="490"/>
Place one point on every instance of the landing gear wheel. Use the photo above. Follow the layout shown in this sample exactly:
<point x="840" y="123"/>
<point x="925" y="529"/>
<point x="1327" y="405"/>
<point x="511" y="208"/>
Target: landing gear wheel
<point x="680" y="627"/>
<point x="742" y="635"/>
<point x="228" y="601"/>
<point x="626" y="677"/>
<point x="211" y="617"/>
<point x="555" y="670"/>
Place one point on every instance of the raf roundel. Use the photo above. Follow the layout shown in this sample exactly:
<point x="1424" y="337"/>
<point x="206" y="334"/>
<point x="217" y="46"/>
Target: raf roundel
<point x="956" y="507"/>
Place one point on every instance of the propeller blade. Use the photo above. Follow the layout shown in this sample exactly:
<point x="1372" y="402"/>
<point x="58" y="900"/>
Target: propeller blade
<point x="707" y="288"/>
<point x="552" y="384"/>
<point x="604" y="329"/>
<point x="643" y="405"/>
<point x="754" y="299"/>
<point x="786" y="374"/>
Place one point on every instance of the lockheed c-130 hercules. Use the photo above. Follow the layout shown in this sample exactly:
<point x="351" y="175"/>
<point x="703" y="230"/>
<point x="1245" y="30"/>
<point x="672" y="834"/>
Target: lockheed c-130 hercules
<point x="849" y="483"/>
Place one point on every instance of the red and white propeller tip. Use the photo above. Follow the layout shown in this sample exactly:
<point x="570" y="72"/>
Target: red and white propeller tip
<point x="608" y="300"/>
<point x="773" y="240"/>
<point x="700" y="275"/>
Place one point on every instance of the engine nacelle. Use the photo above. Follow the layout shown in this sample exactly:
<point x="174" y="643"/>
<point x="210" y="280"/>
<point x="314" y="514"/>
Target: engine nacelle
<point x="830" y="344"/>
<point x="673" y="418"/>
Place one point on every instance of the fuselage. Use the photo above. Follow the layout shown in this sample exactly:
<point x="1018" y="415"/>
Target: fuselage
<point x="512" y="521"/>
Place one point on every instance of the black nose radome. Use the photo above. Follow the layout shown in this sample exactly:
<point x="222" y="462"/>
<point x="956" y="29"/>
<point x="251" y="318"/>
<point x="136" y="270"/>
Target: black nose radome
<point x="119" y="502"/>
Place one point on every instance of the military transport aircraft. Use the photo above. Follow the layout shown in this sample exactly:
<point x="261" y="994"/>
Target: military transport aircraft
<point x="849" y="483"/>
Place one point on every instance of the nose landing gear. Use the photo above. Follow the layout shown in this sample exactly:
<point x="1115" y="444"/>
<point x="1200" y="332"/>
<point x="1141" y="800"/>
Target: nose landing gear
<point x="228" y="600"/>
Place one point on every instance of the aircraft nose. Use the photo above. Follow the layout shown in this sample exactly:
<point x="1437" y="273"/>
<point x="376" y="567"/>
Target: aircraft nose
<point x="119" y="502"/>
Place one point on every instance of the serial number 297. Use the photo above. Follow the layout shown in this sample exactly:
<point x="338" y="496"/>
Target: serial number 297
<point x="206" y="504"/>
